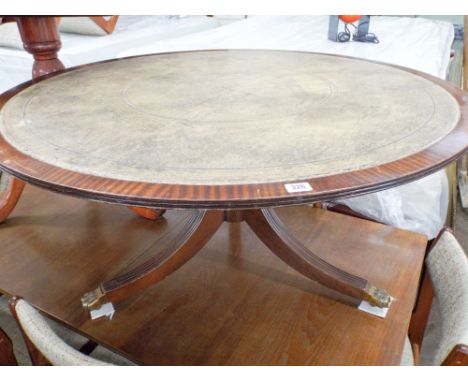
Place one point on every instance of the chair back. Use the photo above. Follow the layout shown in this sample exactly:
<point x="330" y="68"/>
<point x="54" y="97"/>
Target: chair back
<point x="447" y="264"/>
<point x="38" y="335"/>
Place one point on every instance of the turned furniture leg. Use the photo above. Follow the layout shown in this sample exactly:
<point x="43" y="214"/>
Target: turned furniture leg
<point x="175" y="252"/>
<point x="10" y="192"/>
<point x="40" y="38"/>
<point x="269" y="228"/>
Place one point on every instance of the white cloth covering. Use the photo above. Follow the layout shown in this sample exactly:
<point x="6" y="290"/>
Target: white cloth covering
<point x="130" y="31"/>
<point x="411" y="42"/>
<point x="9" y="36"/>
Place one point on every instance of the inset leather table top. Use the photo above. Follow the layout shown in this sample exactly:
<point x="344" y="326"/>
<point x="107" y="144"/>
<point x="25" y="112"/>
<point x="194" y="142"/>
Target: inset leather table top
<point x="229" y="119"/>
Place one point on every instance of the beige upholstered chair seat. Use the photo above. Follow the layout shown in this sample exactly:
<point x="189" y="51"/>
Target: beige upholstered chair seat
<point x="47" y="336"/>
<point x="447" y="264"/>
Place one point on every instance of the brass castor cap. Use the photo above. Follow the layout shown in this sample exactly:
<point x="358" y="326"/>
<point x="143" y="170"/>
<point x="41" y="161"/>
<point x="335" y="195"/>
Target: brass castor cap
<point x="94" y="299"/>
<point x="377" y="296"/>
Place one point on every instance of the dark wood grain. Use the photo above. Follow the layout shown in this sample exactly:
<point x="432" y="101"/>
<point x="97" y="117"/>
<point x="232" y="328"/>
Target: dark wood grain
<point x="178" y="247"/>
<point x="9" y="196"/>
<point x="7" y="357"/>
<point x="421" y="312"/>
<point x="270" y="229"/>
<point x="347" y="184"/>
<point x="233" y="304"/>
<point x="41" y="38"/>
<point x="7" y="19"/>
<point x="186" y="241"/>
<point x="457" y="357"/>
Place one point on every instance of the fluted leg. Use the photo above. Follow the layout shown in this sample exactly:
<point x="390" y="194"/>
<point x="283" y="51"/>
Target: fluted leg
<point x="177" y="249"/>
<point x="269" y="228"/>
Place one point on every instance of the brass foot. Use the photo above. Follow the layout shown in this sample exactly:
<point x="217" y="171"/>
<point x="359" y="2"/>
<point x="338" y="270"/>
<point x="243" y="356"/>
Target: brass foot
<point x="377" y="296"/>
<point x="94" y="299"/>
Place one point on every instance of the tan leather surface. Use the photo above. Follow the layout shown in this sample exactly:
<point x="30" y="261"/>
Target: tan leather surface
<point x="228" y="117"/>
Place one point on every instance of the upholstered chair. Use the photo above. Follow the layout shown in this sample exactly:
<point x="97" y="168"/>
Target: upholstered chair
<point x="442" y="306"/>
<point x="46" y="347"/>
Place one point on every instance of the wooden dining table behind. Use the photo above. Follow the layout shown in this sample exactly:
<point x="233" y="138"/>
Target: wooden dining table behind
<point x="233" y="304"/>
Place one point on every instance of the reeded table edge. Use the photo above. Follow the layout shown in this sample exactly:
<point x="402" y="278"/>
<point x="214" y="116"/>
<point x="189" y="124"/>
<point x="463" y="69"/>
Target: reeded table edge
<point x="244" y="196"/>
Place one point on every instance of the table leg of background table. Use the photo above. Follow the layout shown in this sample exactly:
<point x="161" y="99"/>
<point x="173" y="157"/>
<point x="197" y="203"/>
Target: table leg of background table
<point x="178" y="248"/>
<point x="148" y="213"/>
<point x="11" y="190"/>
<point x="269" y="228"/>
<point x="41" y="38"/>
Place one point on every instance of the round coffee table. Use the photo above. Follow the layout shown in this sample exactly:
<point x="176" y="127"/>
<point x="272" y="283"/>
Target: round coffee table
<point x="230" y="134"/>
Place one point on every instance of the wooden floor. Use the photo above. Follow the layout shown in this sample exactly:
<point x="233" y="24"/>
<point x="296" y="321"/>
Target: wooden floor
<point x="233" y="304"/>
